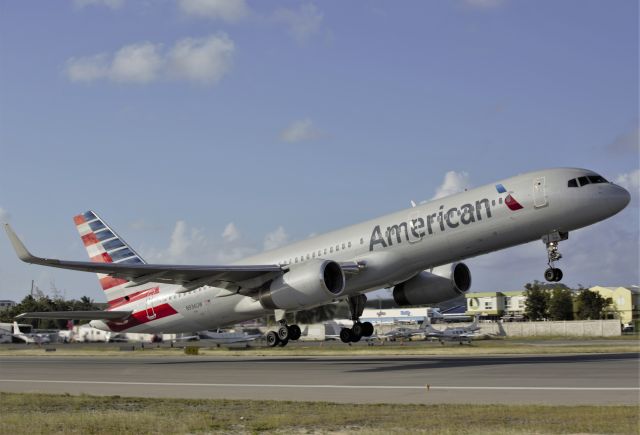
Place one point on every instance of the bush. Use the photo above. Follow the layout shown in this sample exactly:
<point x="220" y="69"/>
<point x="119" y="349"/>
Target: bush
<point x="191" y="350"/>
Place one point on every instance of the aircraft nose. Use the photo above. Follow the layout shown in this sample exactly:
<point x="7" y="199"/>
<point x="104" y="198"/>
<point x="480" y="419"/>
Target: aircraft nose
<point x="619" y="197"/>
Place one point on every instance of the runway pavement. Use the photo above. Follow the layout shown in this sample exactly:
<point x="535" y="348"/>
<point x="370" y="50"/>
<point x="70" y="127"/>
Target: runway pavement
<point x="544" y="379"/>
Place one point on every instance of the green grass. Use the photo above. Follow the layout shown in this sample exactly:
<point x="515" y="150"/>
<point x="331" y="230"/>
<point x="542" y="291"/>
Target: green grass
<point x="480" y="347"/>
<point x="44" y="413"/>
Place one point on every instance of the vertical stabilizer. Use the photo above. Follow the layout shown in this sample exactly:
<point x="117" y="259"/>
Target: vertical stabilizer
<point x="103" y="245"/>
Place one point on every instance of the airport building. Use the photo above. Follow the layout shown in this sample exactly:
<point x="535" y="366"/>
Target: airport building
<point x="495" y="305"/>
<point x="625" y="302"/>
<point x="510" y="306"/>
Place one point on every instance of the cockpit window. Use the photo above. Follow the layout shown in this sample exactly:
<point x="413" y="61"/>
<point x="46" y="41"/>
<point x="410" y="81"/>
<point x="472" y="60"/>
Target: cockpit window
<point x="573" y="182"/>
<point x="595" y="179"/>
<point x="583" y="181"/>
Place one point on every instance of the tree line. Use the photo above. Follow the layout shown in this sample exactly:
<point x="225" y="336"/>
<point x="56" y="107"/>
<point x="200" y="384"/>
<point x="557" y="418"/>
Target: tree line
<point x="562" y="303"/>
<point x="45" y="303"/>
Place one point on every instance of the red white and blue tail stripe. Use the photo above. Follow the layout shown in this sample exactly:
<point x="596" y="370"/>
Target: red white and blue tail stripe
<point x="105" y="246"/>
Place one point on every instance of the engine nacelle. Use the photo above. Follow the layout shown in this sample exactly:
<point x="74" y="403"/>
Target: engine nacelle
<point x="440" y="284"/>
<point x="312" y="283"/>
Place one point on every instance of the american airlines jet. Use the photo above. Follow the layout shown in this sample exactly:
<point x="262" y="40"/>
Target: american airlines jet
<point x="417" y="251"/>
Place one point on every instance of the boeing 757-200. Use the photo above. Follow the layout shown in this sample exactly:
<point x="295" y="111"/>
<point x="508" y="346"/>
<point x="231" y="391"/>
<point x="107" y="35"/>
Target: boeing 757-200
<point x="417" y="251"/>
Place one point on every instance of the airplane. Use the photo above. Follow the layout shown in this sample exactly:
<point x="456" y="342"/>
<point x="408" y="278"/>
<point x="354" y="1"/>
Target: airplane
<point x="29" y="338"/>
<point x="465" y="333"/>
<point x="418" y="251"/>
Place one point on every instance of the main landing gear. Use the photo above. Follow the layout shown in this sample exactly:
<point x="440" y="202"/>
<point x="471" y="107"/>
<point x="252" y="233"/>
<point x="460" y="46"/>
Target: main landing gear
<point x="553" y="274"/>
<point x="284" y="333"/>
<point x="359" y="329"/>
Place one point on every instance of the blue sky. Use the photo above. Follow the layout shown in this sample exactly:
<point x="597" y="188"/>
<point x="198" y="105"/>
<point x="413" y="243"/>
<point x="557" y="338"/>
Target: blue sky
<point x="205" y="130"/>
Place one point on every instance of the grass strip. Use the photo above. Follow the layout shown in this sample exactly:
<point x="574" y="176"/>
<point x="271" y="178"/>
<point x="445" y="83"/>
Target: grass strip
<point x="492" y="347"/>
<point x="47" y="413"/>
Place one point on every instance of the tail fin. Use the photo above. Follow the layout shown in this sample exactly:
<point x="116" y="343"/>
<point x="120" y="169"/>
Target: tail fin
<point x="16" y="328"/>
<point x="105" y="246"/>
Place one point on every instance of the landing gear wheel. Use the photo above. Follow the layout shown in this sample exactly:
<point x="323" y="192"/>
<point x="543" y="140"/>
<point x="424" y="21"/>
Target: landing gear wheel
<point x="345" y="335"/>
<point x="272" y="339"/>
<point x="283" y="343"/>
<point x="355" y="338"/>
<point x="294" y="332"/>
<point x="357" y="329"/>
<point x="550" y="274"/>
<point x="558" y="275"/>
<point x="283" y="333"/>
<point x="367" y="329"/>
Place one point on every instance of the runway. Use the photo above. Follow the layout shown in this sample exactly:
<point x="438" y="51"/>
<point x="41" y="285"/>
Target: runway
<point x="545" y="379"/>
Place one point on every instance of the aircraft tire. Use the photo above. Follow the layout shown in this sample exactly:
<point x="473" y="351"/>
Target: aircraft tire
<point x="294" y="332"/>
<point x="355" y="338"/>
<point x="549" y="274"/>
<point x="357" y="329"/>
<point x="367" y="329"/>
<point x="283" y="343"/>
<point x="272" y="339"/>
<point x="557" y="275"/>
<point x="345" y="335"/>
<point x="283" y="333"/>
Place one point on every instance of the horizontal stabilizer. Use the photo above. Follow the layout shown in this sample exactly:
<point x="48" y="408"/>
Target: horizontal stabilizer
<point x="76" y="315"/>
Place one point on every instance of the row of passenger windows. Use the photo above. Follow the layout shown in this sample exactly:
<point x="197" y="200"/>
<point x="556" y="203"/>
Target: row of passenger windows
<point x="319" y="253"/>
<point x="583" y="181"/>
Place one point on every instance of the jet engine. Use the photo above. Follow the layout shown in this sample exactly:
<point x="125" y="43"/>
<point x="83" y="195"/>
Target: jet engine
<point x="433" y="286"/>
<point x="314" y="282"/>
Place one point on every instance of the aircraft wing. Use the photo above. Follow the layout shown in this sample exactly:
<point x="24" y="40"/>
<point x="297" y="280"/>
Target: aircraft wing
<point x="76" y="315"/>
<point x="190" y="277"/>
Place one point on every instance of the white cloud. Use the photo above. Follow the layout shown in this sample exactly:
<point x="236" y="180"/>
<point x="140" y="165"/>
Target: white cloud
<point x="225" y="10"/>
<point x="453" y="182"/>
<point x="4" y="215"/>
<point x="112" y="4"/>
<point x="201" y="60"/>
<point x="136" y="63"/>
<point x="300" y="131"/>
<point x="88" y="69"/>
<point x="484" y="4"/>
<point x="301" y="23"/>
<point x="230" y="232"/>
<point x="630" y="181"/>
<point x="204" y="60"/>
<point x="275" y="239"/>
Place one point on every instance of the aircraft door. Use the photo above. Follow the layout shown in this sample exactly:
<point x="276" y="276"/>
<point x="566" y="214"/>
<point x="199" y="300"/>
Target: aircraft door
<point x="151" y="313"/>
<point x="539" y="193"/>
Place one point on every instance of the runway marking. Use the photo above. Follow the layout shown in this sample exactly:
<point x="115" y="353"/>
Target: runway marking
<point x="344" y="387"/>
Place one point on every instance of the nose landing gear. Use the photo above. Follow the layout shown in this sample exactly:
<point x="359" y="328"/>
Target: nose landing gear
<point x="359" y="329"/>
<point x="553" y="274"/>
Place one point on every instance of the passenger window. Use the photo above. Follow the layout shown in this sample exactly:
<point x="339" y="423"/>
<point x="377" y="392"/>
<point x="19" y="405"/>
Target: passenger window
<point x="331" y="249"/>
<point x="307" y="256"/>
<point x="349" y="245"/>
<point x="573" y="183"/>
<point x="583" y="181"/>
<point x="313" y="254"/>
<point x="296" y="259"/>
<point x="500" y="200"/>
<point x="325" y="251"/>
<point x="361" y="240"/>
<point x="319" y="252"/>
<point x="343" y="246"/>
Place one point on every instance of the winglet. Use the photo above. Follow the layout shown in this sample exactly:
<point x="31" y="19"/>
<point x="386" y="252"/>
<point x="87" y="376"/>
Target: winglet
<point x="18" y="246"/>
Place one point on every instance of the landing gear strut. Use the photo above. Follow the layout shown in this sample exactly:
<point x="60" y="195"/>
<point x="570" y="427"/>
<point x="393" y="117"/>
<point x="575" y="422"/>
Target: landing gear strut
<point x="553" y="274"/>
<point x="284" y="333"/>
<point x="359" y="329"/>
